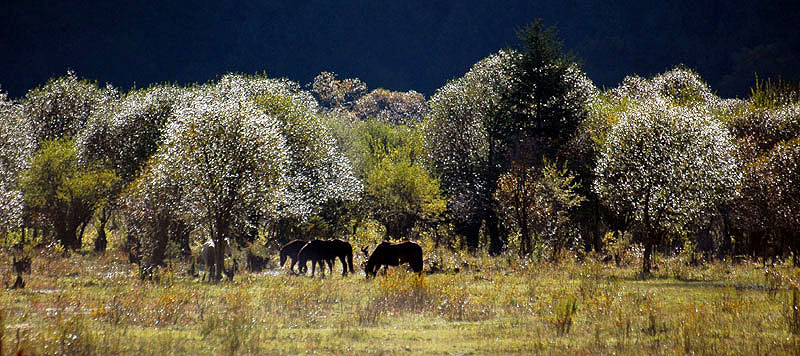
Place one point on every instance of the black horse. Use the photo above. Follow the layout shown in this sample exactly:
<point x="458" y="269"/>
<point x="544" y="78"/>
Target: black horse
<point x="325" y="251"/>
<point x="290" y="250"/>
<point x="393" y="254"/>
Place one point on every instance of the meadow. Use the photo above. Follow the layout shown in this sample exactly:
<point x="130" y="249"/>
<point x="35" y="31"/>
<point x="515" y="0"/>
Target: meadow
<point x="86" y="304"/>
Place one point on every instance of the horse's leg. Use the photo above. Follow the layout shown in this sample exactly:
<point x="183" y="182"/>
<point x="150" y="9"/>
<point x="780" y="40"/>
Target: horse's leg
<point x="344" y="265"/>
<point x="313" y="267"/>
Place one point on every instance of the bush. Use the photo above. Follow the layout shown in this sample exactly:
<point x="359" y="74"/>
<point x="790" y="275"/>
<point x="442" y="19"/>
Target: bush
<point x="563" y="315"/>
<point x="61" y="191"/>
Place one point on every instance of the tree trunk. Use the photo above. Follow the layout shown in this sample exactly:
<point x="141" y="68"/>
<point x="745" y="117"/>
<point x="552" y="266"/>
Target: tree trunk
<point x="496" y="238"/>
<point x="80" y="231"/>
<point x="795" y="246"/>
<point x="101" y="242"/>
<point x="646" y="260"/>
<point x="219" y="259"/>
<point x="67" y="237"/>
<point x="220" y="247"/>
<point x="471" y="232"/>
<point x="159" y="244"/>
<point x="726" y="247"/>
<point x="524" y="239"/>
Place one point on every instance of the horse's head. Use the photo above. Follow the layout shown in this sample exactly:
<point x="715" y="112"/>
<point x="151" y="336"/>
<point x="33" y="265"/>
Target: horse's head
<point x="371" y="267"/>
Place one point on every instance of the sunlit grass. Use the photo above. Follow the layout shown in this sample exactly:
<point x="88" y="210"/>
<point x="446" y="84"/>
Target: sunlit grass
<point x="84" y="304"/>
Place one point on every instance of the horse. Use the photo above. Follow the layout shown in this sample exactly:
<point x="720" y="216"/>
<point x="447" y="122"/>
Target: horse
<point x="291" y="250"/>
<point x="208" y="257"/>
<point x="326" y="251"/>
<point x="394" y="254"/>
<point x="21" y="266"/>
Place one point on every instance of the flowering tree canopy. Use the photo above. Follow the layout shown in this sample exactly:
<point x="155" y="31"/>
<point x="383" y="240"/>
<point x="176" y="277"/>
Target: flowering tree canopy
<point x="317" y="170"/>
<point x="335" y="93"/>
<point x="512" y="108"/>
<point x="456" y="134"/>
<point x="238" y="148"/>
<point x="126" y="133"/>
<point x="226" y="155"/>
<point x="394" y="107"/>
<point x="783" y="186"/>
<point x="662" y="164"/>
<point x="16" y="148"/>
<point x="62" y="106"/>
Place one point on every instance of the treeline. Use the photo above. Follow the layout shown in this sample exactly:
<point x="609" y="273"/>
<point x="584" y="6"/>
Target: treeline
<point x="522" y="154"/>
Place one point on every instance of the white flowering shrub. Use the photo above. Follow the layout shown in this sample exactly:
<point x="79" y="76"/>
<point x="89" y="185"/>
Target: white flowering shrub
<point x="126" y="133"/>
<point x="154" y="214"/>
<point x="317" y="171"/>
<point x="16" y="148"/>
<point x="226" y="155"/>
<point x="766" y="127"/>
<point x="663" y="165"/>
<point x="408" y="108"/>
<point x="783" y="187"/>
<point x="678" y="86"/>
<point x="335" y="93"/>
<point x="761" y="128"/>
<point x="508" y="109"/>
<point x="231" y="150"/>
<point x="457" y="138"/>
<point x="61" y="107"/>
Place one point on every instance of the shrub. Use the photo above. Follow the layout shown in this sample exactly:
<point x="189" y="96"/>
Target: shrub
<point x="563" y="315"/>
<point x="404" y="291"/>
<point x="69" y="204"/>
<point x="233" y="327"/>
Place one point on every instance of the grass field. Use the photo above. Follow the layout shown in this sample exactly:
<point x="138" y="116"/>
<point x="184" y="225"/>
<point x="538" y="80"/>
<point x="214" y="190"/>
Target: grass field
<point x="87" y="304"/>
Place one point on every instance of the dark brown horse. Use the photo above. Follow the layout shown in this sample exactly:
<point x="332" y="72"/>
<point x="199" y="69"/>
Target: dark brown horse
<point x="291" y="250"/>
<point x="325" y="251"/>
<point x="394" y="254"/>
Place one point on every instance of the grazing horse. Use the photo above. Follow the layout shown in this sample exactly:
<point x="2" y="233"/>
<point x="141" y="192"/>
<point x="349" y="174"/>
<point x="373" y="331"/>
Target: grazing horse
<point x="208" y="257"/>
<point x="325" y="251"/>
<point x="291" y="250"/>
<point x="394" y="254"/>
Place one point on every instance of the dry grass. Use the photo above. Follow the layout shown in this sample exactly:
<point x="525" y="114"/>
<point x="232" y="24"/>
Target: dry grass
<point x="84" y="304"/>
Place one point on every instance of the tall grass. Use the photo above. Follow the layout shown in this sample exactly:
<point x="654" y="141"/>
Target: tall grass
<point x="500" y="305"/>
